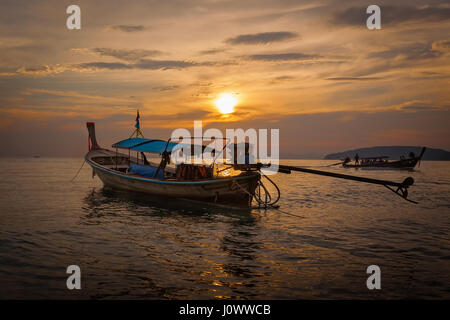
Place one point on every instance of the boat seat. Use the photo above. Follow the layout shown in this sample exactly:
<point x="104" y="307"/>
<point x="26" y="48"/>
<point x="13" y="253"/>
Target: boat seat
<point x="146" y="171"/>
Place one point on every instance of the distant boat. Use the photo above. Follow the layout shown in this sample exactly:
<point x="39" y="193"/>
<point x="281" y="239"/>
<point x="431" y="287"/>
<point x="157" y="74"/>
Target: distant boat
<point x="383" y="162"/>
<point x="36" y="157"/>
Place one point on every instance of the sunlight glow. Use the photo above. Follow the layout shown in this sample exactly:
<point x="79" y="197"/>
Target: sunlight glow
<point x="226" y="103"/>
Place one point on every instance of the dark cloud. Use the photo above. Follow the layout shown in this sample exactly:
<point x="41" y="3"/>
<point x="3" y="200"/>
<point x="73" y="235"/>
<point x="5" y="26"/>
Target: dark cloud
<point x="418" y="105"/>
<point x="262" y="38"/>
<point x="128" y="28"/>
<point x="418" y="108"/>
<point x="35" y="69"/>
<point x="103" y="65"/>
<point x="443" y="45"/>
<point x="167" y="88"/>
<point x="144" y="64"/>
<point x="390" y="15"/>
<point x="125" y="54"/>
<point x="353" y="78"/>
<point x="282" y="57"/>
<point x="218" y="63"/>
<point x="281" y="79"/>
<point x="430" y="75"/>
<point x="148" y="64"/>
<point x="42" y="70"/>
<point x="284" y="78"/>
<point x="212" y="51"/>
<point x="417" y="51"/>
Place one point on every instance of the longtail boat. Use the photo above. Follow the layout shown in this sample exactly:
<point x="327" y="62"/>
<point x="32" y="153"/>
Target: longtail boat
<point x="134" y="173"/>
<point x="384" y="162"/>
<point x="130" y="170"/>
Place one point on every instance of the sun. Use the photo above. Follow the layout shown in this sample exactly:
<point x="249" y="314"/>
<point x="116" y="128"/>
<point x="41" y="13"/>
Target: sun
<point x="226" y="103"/>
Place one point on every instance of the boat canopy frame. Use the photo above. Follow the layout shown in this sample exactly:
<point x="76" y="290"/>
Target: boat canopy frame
<point x="148" y="145"/>
<point x="153" y="145"/>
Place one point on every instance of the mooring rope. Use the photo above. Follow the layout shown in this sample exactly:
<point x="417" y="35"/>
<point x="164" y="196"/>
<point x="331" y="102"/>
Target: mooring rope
<point x="291" y="214"/>
<point x="278" y="190"/>
<point x="264" y="203"/>
<point x="78" y="171"/>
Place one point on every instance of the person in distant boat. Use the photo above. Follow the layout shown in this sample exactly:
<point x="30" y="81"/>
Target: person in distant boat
<point x="356" y="158"/>
<point x="347" y="160"/>
<point x="412" y="155"/>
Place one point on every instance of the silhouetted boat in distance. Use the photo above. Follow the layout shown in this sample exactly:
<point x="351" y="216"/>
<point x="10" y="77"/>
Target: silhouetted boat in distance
<point x="383" y="162"/>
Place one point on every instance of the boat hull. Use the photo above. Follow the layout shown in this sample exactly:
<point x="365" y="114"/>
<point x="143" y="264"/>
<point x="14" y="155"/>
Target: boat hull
<point x="401" y="164"/>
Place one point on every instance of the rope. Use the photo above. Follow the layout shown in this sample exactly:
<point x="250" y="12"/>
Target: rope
<point x="78" y="171"/>
<point x="264" y="203"/>
<point x="330" y="165"/>
<point x="278" y="190"/>
<point x="291" y="214"/>
<point x="268" y="201"/>
<point x="260" y="202"/>
<point x="245" y="190"/>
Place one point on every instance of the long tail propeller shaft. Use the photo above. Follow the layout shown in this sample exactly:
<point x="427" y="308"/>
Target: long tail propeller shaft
<point x="401" y="187"/>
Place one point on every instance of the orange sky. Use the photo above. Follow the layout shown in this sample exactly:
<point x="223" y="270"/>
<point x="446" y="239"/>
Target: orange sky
<point x="310" y="68"/>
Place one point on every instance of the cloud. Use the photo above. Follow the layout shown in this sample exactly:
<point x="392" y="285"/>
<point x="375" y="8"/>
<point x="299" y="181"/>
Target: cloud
<point x="284" y="78"/>
<point x="429" y="75"/>
<point x="390" y="15"/>
<point x="282" y="57"/>
<point x="128" y="28"/>
<point x="42" y="70"/>
<point x="418" y="51"/>
<point x="422" y="105"/>
<point x="167" y="88"/>
<point x="7" y="74"/>
<point x="75" y="94"/>
<point x="142" y="64"/>
<point x="101" y="66"/>
<point x="148" y="64"/>
<point x="122" y="54"/>
<point x="212" y="51"/>
<point x="262" y="38"/>
<point x="353" y="78"/>
<point x="443" y="45"/>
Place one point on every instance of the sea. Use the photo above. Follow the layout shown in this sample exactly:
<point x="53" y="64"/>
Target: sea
<point x="318" y="244"/>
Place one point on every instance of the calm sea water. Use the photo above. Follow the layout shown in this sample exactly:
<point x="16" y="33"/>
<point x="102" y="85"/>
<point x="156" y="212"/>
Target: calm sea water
<point x="131" y="246"/>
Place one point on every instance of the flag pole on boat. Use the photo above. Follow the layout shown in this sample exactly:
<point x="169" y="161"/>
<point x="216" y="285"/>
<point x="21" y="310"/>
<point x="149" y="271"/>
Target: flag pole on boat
<point x="137" y="127"/>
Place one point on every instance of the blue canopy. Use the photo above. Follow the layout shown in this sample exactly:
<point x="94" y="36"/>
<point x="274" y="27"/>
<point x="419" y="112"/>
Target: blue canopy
<point x="148" y="145"/>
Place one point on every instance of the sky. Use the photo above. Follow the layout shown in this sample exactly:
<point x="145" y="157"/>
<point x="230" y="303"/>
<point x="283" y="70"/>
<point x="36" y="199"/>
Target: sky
<point x="311" y="69"/>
